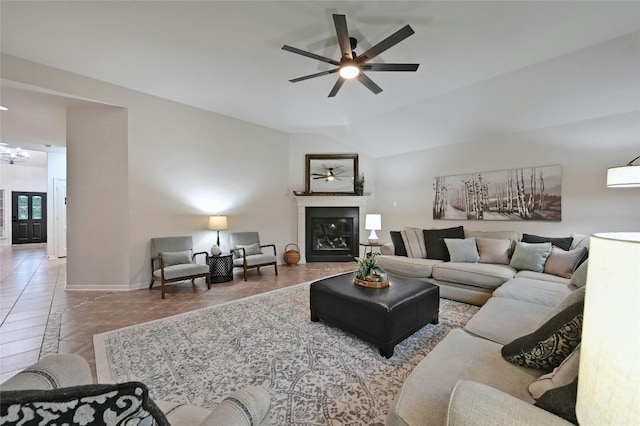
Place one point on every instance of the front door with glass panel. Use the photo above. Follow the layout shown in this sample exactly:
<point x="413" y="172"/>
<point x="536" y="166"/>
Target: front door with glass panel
<point x="29" y="217"/>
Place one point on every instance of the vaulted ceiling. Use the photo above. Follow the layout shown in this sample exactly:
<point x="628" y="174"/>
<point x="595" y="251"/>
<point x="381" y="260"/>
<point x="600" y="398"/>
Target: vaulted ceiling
<point x="486" y="68"/>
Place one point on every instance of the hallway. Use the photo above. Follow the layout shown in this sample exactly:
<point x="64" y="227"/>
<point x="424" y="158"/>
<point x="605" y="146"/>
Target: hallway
<point x="40" y="318"/>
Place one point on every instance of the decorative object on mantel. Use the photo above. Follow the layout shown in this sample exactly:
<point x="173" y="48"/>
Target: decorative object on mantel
<point x="292" y="256"/>
<point x="370" y="274"/>
<point x="359" y="187"/>
<point x="531" y="193"/>
<point x="12" y="156"/>
<point x="218" y="223"/>
<point x="331" y="174"/>
<point x="627" y="176"/>
<point x="373" y="223"/>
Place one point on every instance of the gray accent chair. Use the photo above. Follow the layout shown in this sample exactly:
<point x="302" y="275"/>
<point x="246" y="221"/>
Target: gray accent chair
<point x="245" y="407"/>
<point x="247" y="252"/>
<point x="173" y="260"/>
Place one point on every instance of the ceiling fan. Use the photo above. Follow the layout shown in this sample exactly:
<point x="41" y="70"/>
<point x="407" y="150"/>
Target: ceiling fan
<point x="351" y="65"/>
<point x="329" y="175"/>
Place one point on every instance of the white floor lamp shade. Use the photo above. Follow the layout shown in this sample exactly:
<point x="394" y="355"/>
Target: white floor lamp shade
<point x="373" y="223"/>
<point x="609" y="378"/>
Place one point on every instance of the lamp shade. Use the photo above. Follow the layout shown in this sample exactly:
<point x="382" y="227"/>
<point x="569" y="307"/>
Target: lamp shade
<point x="373" y="222"/>
<point x="623" y="177"/>
<point x="217" y="223"/>
<point x="609" y="377"/>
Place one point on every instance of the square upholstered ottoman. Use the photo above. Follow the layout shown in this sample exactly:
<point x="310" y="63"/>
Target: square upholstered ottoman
<point x="382" y="316"/>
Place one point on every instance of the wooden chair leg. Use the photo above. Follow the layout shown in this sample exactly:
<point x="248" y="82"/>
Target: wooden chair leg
<point x="162" y="282"/>
<point x="208" y="278"/>
<point x="276" y="266"/>
<point x="245" y="273"/>
<point x="151" y="285"/>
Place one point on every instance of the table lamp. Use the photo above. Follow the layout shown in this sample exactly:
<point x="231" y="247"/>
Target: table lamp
<point x="218" y="223"/>
<point x="373" y="223"/>
<point x="609" y="376"/>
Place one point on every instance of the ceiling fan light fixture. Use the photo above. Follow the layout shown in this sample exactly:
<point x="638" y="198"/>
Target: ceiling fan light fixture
<point x="349" y="71"/>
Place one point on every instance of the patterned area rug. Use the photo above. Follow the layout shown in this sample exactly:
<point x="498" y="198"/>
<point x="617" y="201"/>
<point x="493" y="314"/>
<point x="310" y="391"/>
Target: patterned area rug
<point x="316" y="374"/>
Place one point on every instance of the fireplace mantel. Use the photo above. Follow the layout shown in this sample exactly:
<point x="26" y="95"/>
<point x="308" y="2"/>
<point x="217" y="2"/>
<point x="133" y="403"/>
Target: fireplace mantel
<point x="360" y="201"/>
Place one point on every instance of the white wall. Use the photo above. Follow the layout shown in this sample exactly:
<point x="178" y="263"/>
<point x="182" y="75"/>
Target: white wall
<point x="582" y="149"/>
<point x="56" y="170"/>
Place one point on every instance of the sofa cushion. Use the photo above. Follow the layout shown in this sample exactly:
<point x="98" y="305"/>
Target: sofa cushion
<point x="563" y="263"/>
<point x="563" y="243"/>
<point x="579" y="241"/>
<point x="545" y="293"/>
<point x="398" y="243"/>
<point x="543" y="277"/>
<point x="434" y="240"/>
<point x="414" y="243"/>
<point x="561" y="401"/>
<point x="573" y="297"/>
<point x="562" y="375"/>
<point x="424" y="397"/>
<point x="462" y="249"/>
<point x="502" y="320"/>
<point x="128" y="403"/>
<point x="474" y="404"/>
<point x="494" y="251"/>
<point x="530" y="256"/>
<point x="482" y="275"/>
<point x="170" y="258"/>
<point x="407" y="266"/>
<point x="551" y="343"/>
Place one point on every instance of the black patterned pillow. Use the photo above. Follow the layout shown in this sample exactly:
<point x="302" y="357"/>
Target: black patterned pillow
<point x="549" y="345"/>
<point x="119" y="404"/>
<point x="561" y="401"/>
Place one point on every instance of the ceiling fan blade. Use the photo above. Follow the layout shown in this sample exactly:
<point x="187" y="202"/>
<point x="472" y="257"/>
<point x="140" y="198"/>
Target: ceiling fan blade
<point x="343" y="35"/>
<point x="390" y="67"/>
<point x="309" y="55"/>
<point x="369" y="84"/>
<point x="336" y="87"/>
<point x="385" y="44"/>
<point x="318" y="74"/>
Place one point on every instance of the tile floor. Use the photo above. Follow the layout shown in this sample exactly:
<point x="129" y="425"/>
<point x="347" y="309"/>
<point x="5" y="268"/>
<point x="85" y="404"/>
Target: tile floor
<point x="38" y="317"/>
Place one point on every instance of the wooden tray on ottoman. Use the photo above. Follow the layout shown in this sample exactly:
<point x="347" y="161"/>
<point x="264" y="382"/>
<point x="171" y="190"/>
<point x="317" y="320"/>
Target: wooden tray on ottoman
<point x="381" y="316"/>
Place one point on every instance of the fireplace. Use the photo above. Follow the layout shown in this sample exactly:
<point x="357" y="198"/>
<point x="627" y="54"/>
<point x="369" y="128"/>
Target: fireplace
<point x="332" y="234"/>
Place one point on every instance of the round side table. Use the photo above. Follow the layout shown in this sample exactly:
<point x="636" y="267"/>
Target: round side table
<point x="221" y="268"/>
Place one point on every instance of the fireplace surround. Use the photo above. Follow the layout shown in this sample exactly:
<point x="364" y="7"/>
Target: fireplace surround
<point x="359" y="202"/>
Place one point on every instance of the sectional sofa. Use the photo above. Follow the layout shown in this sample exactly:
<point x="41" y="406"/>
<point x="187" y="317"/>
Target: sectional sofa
<point x="516" y="361"/>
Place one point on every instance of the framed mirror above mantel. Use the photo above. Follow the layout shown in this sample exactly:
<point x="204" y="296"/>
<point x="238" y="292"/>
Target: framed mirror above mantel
<point x="331" y="174"/>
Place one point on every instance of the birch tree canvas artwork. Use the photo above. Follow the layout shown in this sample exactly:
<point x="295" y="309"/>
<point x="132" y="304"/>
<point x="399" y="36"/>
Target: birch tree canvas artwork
<point x="533" y="193"/>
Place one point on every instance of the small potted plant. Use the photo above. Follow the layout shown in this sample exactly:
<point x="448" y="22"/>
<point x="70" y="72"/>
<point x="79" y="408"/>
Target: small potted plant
<point x="359" y="185"/>
<point x="369" y="273"/>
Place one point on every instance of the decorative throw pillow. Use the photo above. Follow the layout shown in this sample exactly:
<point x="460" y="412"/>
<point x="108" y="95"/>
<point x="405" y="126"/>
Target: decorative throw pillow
<point x="119" y="404"/>
<point x="398" y="244"/>
<point x="549" y="345"/>
<point x="462" y="250"/>
<point x="248" y="250"/>
<point x="530" y="257"/>
<point x="434" y="241"/>
<point x="563" y="263"/>
<point x="563" y="243"/>
<point x="566" y="373"/>
<point x="414" y="243"/>
<point x="579" y="241"/>
<point x="579" y="277"/>
<point x="176" y="257"/>
<point x="561" y="401"/>
<point x="494" y="251"/>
